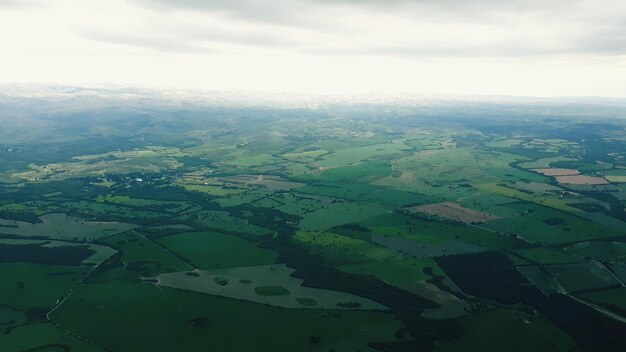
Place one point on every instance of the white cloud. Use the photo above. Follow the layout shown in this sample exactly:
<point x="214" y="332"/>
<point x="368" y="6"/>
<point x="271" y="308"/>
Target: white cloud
<point x="489" y="47"/>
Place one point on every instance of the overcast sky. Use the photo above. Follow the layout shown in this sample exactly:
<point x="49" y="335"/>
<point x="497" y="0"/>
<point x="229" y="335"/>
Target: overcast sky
<point x="511" y="47"/>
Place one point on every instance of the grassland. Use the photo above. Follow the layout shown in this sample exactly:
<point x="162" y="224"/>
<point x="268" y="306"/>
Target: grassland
<point x="209" y="250"/>
<point x="43" y="337"/>
<point x="61" y="226"/>
<point x="36" y="287"/>
<point x="523" y="333"/>
<point x="97" y="254"/>
<point x="267" y="284"/>
<point x="107" y="306"/>
<point x="615" y="297"/>
<point x="340" y="228"/>
<point x="584" y="276"/>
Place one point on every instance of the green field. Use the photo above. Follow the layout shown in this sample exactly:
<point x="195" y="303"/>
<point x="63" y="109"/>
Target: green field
<point x="107" y="306"/>
<point x="41" y="284"/>
<point x="268" y="284"/>
<point x="615" y="297"/>
<point x="523" y="333"/>
<point x="43" y="337"/>
<point x="208" y="250"/>
<point x="60" y="226"/>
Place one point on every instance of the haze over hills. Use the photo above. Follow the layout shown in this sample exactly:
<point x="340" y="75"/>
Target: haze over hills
<point x="100" y="95"/>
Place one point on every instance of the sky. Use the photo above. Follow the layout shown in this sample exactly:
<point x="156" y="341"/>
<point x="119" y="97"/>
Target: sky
<point x="494" y="47"/>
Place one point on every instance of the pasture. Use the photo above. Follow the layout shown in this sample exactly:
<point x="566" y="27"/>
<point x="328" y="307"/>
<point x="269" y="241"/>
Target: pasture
<point x="267" y="284"/>
<point x="195" y="318"/>
<point x="209" y="250"/>
<point x="64" y="227"/>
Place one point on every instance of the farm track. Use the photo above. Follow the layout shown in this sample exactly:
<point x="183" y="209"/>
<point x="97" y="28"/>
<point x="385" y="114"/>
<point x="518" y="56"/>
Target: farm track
<point x="498" y="233"/>
<point x="611" y="272"/>
<point x="62" y="300"/>
<point x="69" y="293"/>
<point x="164" y="249"/>
<point x="602" y="266"/>
<point x="601" y="310"/>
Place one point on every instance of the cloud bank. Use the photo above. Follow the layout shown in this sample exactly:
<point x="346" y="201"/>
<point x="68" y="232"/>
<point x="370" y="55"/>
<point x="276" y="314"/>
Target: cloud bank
<point x="404" y="45"/>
